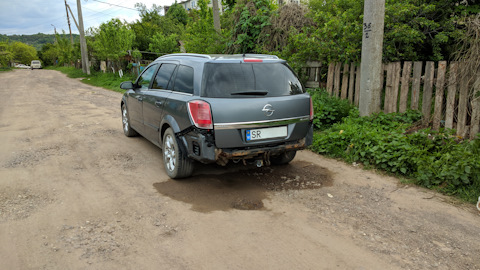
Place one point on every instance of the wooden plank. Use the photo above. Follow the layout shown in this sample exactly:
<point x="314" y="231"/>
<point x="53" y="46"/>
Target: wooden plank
<point x="357" y="86"/>
<point x="427" y="91"/>
<point x="388" y="88"/>
<point x="351" y="84"/>
<point x="331" y="71"/>
<point x="312" y="84"/>
<point x="451" y="94"/>
<point x="314" y="64"/>
<point x="395" y="86"/>
<point x="345" y="81"/>
<point x="439" y="92"/>
<point x="336" y="81"/>
<point x="405" y="86"/>
<point x="382" y="74"/>
<point x="475" y="122"/>
<point x="417" y="76"/>
<point x="462" y="104"/>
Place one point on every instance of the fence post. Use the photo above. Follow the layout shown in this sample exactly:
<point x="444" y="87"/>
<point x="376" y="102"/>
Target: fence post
<point x="331" y="70"/>
<point x="336" y="83"/>
<point x="417" y="76"/>
<point x="439" y="91"/>
<point x="345" y="81"/>
<point x="357" y="86"/>
<point x="405" y="86"/>
<point x="427" y="91"/>
<point x="475" y="122"/>
<point x="462" y="102"/>
<point x="351" y="84"/>
<point x="388" y="88"/>
<point x="395" y="85"/>
<point x="452" y="92"/>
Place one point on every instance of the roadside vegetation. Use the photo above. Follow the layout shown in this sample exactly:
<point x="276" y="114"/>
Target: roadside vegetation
<point x="396" y="143"/>
<point x="106" y="80"/>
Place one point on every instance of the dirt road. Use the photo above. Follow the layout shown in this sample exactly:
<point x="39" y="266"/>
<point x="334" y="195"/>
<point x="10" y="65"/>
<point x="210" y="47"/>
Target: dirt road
<point x="75" y="193"/>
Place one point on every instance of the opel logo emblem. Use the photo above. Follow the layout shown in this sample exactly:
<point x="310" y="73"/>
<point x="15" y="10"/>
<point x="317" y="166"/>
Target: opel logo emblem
<point x="268" y="110"/>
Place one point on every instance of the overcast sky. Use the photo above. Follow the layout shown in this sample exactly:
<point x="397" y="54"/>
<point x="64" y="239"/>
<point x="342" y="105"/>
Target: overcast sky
<point x="37" y="16"/>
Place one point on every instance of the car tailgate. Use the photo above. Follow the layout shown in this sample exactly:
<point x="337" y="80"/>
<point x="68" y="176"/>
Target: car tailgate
<point x="250" y="122"/>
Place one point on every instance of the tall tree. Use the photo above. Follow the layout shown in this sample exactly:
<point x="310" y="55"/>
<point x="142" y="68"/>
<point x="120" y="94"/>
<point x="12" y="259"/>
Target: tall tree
<point x="23" y="53"/>
<point x="112" y="40"/>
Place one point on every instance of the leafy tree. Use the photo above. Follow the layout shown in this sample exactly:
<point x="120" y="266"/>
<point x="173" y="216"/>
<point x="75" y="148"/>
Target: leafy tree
<point x="164" y="44"/>
<point x="6" y="55"/>
<point x="112" y="40"/>
<point x="23" y="53"/>
<point x="150" y="24"/>
<point x="336" y="35"/>
<point x="414" y="30"/>
<point x="200" y="35"/>
<point x="49" y="54"/>
<point x="249" y="18"/>
<point x="177" y="12"/>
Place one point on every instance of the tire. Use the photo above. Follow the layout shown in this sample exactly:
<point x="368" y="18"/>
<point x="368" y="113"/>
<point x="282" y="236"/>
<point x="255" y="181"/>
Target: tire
<point x="177" y="164"/>
<point x="127" y="129"/>
<point x="283" y="158"/>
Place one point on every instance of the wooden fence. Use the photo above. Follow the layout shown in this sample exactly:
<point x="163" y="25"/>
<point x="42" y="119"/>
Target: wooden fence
<point x="438" y="90"/>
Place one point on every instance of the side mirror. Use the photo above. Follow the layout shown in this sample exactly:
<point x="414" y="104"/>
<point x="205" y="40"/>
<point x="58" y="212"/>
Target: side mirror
<point x="127" y="85"/>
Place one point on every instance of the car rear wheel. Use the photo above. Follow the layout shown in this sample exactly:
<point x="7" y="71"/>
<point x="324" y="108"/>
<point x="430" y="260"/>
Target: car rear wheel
<point x="283" y="158"/>
<point x="177" y="164"/>
<point x="127" y="129"/>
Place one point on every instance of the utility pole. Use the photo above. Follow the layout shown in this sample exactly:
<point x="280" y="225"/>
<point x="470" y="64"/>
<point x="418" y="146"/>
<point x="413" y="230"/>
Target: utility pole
<point x="371" y="63"/>
<point x="55" y="30"/>
<point x="83" y="43"/>
<point x="216" y="16"/>
<point x="68" y="20"/>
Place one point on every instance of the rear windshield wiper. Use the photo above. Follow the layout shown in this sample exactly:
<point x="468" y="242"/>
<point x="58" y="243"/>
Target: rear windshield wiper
<point x="252" y="93"/>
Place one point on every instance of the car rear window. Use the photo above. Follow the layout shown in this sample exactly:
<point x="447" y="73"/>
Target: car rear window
<point x="230" y="80"/>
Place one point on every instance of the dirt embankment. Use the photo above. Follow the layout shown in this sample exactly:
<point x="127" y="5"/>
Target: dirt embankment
<point x="75" y="193"/>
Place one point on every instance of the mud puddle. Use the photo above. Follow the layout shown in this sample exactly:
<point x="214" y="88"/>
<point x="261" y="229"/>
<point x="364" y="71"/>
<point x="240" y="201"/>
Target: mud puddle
<point x="242" y="187"/>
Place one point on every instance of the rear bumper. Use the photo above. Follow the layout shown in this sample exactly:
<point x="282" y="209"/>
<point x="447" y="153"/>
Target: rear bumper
<point x="201" y="147"/>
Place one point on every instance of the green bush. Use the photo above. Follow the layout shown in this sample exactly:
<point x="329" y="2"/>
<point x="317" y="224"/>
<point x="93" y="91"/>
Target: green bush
<point x="434" y="159"/>
<point x="329" y="110"/>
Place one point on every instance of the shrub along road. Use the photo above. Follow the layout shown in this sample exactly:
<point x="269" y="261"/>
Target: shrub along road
<point x="75" y="193"/>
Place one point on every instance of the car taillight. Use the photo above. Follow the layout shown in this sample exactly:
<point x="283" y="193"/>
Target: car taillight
<point x="311" y="109"/>
<point x="200" y="113"/>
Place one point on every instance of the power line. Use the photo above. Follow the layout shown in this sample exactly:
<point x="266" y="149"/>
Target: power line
<point x="115" y="5"/>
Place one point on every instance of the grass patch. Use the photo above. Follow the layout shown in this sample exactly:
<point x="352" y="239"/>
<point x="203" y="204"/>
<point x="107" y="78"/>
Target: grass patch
<point x="4" y="69"/>
<point x="393" y="143"/>
<point x="106" y="80"/>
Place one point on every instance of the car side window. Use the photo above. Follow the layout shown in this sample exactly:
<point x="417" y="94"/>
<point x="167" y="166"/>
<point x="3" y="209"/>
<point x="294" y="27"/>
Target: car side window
<point x="163" y="76"/>
<point x="184" y="80"/>
<point x="144" y="80"/>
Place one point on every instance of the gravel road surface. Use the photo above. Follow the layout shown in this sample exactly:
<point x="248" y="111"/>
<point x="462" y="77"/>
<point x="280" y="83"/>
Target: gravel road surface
<point x="75" y="193"/>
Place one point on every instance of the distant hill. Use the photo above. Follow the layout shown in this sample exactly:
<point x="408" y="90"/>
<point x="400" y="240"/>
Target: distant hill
<point x="36" y="40"/>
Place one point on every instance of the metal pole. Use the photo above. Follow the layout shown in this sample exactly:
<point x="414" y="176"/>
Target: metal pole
<point x="83" y="43"/>
<point x="371" y="65"/>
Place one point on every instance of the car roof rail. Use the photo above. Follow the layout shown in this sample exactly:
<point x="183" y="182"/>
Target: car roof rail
<point x="186" y="54"/>
<point x="263" y="56"/>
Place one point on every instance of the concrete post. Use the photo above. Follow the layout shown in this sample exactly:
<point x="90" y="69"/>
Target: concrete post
<point x="83" y="42"/>
<point x="216" y="16"/>
<point x="371" y="65"/>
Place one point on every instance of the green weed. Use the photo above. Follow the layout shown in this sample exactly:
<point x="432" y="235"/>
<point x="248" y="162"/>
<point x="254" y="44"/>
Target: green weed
<point x="435" y="159"/>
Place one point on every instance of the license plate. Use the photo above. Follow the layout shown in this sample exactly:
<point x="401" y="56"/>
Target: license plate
<point x="266" y="133"/>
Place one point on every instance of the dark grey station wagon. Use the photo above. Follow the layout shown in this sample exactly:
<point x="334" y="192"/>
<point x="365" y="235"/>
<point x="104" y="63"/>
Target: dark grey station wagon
<point x="219" y="108"/>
